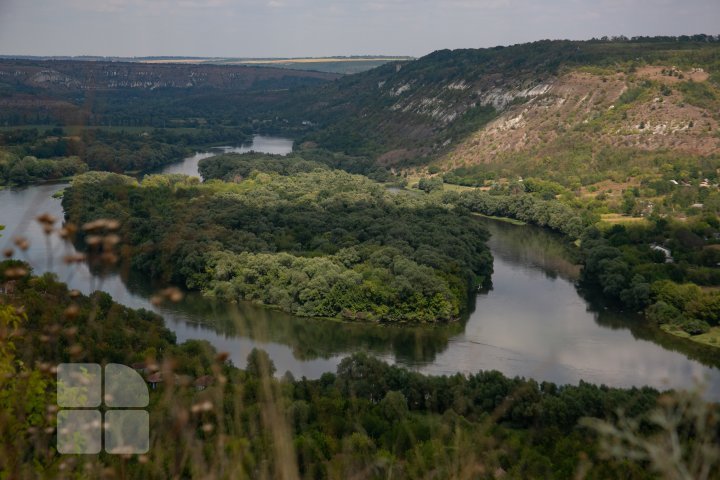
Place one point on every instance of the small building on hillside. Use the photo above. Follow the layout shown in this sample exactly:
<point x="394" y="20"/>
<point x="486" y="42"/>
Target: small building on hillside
<point x="154" y="380"/>
<point x="201" y="383"/>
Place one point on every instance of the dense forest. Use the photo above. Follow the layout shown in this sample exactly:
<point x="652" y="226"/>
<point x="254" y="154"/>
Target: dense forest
<point x="301" y="237"/>
<point x="367" y="418"/>
<point x="33" y="155"/>
<point x="231" y="167"/>
<point x="100" y="93"/>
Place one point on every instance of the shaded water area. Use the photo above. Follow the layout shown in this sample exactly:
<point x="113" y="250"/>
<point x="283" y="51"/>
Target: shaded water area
<point x="533" y="322"/>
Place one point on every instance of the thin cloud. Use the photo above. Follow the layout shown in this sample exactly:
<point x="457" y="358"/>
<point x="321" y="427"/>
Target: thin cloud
<point x="282" y="28"/>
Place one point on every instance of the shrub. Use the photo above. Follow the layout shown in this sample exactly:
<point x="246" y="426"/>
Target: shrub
<point x="661" y="312"/>
<point x="694" y="326"/>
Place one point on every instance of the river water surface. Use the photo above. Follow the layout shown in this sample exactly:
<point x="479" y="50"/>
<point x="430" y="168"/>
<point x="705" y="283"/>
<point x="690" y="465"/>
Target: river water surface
<point x="533" y="323"/>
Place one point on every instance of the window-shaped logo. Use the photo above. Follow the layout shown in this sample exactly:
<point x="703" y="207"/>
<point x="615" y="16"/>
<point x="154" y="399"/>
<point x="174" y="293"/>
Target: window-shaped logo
<point x="80" y="426"/>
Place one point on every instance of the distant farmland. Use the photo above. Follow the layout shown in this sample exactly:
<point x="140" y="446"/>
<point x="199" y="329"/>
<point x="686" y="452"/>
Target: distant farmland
<point x="344" y="65"/>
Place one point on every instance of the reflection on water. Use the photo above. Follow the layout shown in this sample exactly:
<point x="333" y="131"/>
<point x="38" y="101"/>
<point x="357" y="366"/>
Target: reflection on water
<point x="533" y="323"/>
<point x="260" y="143"/>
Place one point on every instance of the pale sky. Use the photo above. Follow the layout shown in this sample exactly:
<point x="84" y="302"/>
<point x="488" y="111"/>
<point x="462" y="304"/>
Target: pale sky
<point x="291" y="28"/>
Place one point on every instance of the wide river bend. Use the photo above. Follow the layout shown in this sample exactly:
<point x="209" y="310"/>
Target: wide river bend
<point x="533" y="323"/>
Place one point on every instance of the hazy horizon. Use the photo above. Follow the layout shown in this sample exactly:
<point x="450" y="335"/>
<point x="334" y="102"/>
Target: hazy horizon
<point x="319" y="28"/>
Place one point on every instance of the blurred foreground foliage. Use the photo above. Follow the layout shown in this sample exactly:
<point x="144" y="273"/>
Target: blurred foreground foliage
<point x="368" y="419"/>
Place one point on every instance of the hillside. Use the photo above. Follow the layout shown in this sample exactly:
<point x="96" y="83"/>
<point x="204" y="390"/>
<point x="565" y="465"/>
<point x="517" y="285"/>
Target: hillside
<point x="97" y="93"/>
<point x="412" y="112"/>
<point x="73" y="75"/>
<point x="582" y="115"/>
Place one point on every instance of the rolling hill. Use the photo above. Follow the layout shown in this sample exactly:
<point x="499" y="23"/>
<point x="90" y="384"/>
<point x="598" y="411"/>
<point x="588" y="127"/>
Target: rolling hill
<point x="466" y="107"/>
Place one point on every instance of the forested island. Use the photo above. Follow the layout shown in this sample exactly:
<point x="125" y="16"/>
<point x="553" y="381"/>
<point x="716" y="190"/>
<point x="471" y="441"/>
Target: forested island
<point x="295" y="235"/>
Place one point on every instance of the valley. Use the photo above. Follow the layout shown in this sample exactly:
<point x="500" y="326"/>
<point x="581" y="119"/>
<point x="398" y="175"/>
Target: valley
<point x="533" y="290"/>
<point x="480" y="255"/>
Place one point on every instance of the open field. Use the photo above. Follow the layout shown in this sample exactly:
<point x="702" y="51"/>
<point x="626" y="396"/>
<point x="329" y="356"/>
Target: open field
<point x="343" y="65"/>
<point x="278" y="61"/>
<point x="619" y="219"/>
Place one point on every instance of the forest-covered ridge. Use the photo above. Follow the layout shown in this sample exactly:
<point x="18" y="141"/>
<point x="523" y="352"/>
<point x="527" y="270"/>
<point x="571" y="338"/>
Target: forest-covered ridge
<point x="412" y="112"/>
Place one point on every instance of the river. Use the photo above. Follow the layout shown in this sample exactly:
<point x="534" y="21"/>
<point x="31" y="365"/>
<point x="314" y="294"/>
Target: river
<point x="533" y="322"/>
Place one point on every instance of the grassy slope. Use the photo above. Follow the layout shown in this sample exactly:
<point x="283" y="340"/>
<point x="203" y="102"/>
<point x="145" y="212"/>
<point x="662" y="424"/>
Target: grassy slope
<point x="595" y="127"/>
<point x="416" y="111"/>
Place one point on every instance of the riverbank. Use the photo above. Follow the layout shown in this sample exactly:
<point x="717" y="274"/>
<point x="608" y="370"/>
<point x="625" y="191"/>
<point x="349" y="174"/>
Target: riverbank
<point x="625" y="262"/>
<point x="533" y="322"/>
<point x="711" y="338"/>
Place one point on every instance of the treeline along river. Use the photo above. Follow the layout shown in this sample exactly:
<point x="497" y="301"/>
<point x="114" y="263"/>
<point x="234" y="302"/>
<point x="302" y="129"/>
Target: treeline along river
<point x="533" y="322"/>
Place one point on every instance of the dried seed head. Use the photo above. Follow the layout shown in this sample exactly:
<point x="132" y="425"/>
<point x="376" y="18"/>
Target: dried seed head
<point x="109" y="258"/>
<point x="74" y="293"/>
<point x="173" y="294"/>
<point x="46" y="219"/>
<point x="22" y="243"/>
<point x="112" y="224"/>
<point x="100" y="224"/>
<point x="72" y="312"/>
<point x="71" y="332"/>
<point x="8" y="252"/>
<point x="14" y="273"/>
<point x="222" y="357"/>
<point x="74" y="258"/>
<point x="111" y="240"/>
<point x="75" y="350"/>
<point x="47" y="229"/>
<point x="92" y="226"/>
<point x="93" y="240"/>
<point x="68" y="230"/>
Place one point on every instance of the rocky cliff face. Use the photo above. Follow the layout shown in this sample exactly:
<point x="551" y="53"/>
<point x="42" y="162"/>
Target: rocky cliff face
<point x="450" y="99"/>
<point x="646" y="110"/>
<point x="476" y="106"/>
